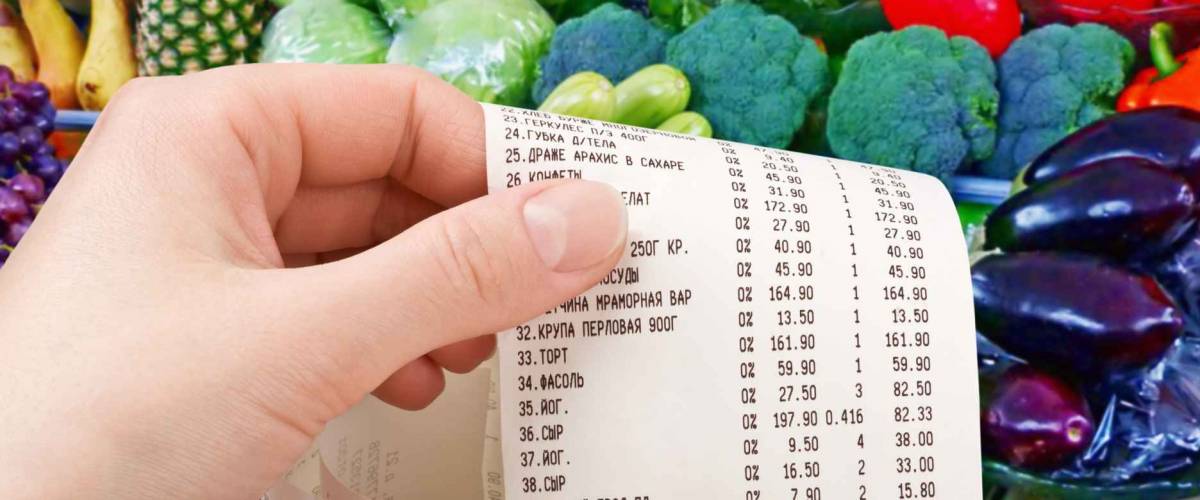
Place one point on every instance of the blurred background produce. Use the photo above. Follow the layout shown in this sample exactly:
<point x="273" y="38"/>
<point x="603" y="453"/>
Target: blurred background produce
<point x="487" y="48"/>
<point x="1054" y="80"/>
<point x="1087" y="274"/>
<point x="326" y="31"/>
<point x="609" y="40"/>
<point x="753" y="74"/>
<point x="175" y="37"/>
<point x="915" y="99"/>
<point x="29" y="168"/>
<point x="1172" y="81"/>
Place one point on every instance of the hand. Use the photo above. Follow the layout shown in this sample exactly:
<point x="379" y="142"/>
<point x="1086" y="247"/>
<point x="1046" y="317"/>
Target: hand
<point x="237" y="257"/>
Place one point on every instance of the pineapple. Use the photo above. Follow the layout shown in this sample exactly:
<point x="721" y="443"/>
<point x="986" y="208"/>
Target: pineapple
<point x="184" y="36"/>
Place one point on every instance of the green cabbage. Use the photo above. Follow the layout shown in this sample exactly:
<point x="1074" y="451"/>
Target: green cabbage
<point x="326" y="31"/>
<point x="487" y="48"/>
<point x="398" y="11"/>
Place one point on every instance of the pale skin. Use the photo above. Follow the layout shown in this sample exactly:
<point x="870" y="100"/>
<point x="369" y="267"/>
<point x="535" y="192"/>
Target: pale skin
<point x="237" y="257"/>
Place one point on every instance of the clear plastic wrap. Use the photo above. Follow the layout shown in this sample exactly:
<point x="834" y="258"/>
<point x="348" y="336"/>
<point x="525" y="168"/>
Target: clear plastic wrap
<point x="398" y="11"/>
<point x="1147" y="440"/>
<point x="326" y="31"/>
<point x="487" y="48"/>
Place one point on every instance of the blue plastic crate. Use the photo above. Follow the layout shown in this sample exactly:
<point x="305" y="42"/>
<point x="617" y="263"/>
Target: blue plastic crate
<point x="75" y="120"/>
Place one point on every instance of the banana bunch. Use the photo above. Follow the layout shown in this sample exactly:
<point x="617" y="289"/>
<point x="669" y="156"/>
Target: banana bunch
<point x="654" y="97"/>
<point x="78" y="73"/>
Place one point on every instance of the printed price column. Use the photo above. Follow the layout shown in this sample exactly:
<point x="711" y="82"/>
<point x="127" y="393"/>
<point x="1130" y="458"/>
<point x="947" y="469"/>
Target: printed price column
<point x="907" y="340"/>
<point x="791" y="320"/>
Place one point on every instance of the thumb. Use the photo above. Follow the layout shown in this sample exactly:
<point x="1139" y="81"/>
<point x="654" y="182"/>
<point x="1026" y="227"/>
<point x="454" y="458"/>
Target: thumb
<point x="476" y="269"/>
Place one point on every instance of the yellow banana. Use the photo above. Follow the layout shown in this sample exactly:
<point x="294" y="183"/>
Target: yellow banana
<point x="109" y="61"/>
<point x="14" y="52"/>
<point x="59" y="47"/>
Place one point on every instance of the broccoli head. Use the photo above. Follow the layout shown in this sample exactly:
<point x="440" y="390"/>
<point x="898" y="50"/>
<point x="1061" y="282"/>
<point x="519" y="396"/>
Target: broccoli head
<point x="1053" y="81"/>
<point x="915" y="99"/>
<point x="752" y="74"/>
<point x="609" y="40"/>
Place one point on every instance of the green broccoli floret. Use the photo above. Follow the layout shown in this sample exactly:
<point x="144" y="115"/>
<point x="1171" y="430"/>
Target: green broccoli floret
<point x="915" y="99"/>
<point x="1053" y="81"/>
<point x="753" y="75"/>
<point x="609" y="40"/>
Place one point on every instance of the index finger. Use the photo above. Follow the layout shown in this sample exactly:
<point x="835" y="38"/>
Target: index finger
<point x="355" y="123"/>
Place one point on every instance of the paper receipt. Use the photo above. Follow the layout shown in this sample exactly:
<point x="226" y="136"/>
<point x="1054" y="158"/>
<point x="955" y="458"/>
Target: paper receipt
<point x="780" y="326"/>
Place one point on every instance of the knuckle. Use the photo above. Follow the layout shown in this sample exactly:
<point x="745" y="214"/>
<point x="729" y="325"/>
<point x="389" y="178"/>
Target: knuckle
<point x="138" y="96"/>
<point x="466" y="262"/>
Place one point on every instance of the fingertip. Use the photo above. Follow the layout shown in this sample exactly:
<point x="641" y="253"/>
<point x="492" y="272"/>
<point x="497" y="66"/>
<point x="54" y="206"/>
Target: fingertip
<point x="463" y="357"/>
<point x="414" y="386"/>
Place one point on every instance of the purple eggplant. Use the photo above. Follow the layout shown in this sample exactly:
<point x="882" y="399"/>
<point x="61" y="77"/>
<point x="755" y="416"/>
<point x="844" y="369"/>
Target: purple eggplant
<point x="1122" y="208"/>
<point x="1166" y="136"/>
<point x="1036" y="421"/>
<point x="1073" y="314"/>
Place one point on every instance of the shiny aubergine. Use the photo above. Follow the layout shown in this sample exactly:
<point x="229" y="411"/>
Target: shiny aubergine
<point x="1166" y="136"/>
<point x="1036" y="421"/>
<point x="1121" y="208"/>
<point x="1073" y="314"/>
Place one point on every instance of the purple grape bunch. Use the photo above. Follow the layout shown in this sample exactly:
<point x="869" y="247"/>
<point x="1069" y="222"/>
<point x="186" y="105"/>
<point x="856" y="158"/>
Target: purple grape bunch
<point x="29" y="170"/>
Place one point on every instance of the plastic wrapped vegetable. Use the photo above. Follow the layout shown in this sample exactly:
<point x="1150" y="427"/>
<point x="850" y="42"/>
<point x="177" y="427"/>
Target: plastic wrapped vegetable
<point x="487" y="48"/>
<point x="326" y="31"/>
<point x="397" y="11"/>
<point x="1121" y="327"/>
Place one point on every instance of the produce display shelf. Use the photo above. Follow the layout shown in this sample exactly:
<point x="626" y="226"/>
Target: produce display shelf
<point x="964" y="188"/>
<point x="75" y="120"/>
<point x="982" y="190"/>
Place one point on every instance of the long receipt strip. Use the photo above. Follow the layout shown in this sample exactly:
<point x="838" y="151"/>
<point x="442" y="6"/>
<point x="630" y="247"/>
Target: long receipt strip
<point x="781" y="326"/>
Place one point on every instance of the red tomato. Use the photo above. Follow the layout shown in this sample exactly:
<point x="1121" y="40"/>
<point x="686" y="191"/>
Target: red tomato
<point x="992" y="23"/>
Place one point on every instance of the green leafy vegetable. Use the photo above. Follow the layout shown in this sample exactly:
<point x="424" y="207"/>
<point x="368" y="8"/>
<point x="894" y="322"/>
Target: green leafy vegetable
<point x="1053" y="81"/>
<point x="326" y="31"/>
<point x="837" y="23"/>
<point x="563" y="10"/>
<point x="915" y="99"/>
<point x="609" y="40"/>
<point x="752" y="74"/>
<point x="397" y="11"/>
<point x="487" y="48"/>
<point x="680" y="14"/>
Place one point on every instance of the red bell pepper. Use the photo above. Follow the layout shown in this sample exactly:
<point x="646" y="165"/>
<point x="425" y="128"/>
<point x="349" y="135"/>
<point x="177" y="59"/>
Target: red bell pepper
<point x="1171" y="82"/>
<point x="992" y="23"/>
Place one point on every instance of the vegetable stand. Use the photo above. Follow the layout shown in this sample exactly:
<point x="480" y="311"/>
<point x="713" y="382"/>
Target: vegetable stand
<point x="1046" y="120"/>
